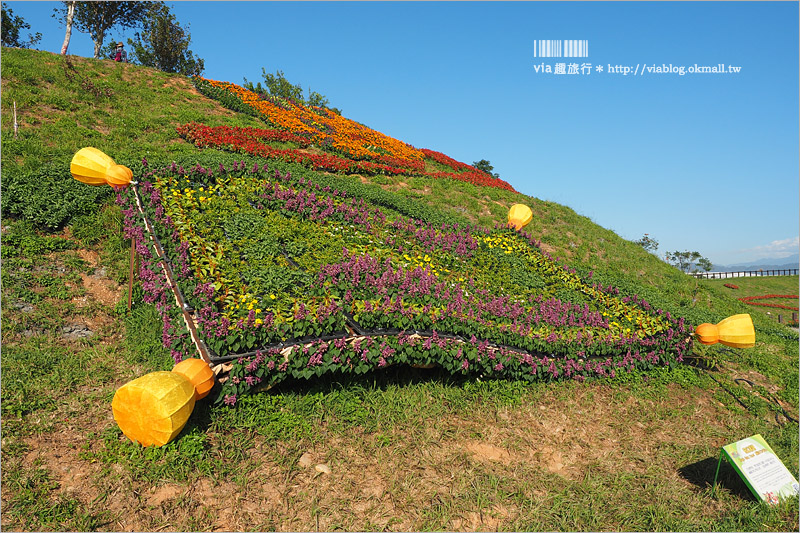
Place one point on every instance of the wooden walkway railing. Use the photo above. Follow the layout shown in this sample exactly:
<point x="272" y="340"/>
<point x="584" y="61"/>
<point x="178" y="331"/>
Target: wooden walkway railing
<point x="745" y="273"/>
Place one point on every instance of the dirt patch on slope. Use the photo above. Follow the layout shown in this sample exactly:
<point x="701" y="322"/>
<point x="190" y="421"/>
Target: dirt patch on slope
<point x="98" y="286"/>
<point x="182" y="84"/>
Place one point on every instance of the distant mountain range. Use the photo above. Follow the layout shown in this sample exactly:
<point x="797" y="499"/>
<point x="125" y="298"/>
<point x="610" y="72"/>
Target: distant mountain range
<point x="767" y="263"/>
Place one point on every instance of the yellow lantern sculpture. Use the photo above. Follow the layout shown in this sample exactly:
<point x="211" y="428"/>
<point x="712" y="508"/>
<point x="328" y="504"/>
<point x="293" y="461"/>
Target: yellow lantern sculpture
<point x="736" y="331"/>
<point x="153" y="409"/>
<point x="90" y="165"/>
<point x="519" y="216"/>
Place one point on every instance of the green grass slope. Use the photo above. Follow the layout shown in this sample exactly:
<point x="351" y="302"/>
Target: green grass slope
<point x="632" y="453"/>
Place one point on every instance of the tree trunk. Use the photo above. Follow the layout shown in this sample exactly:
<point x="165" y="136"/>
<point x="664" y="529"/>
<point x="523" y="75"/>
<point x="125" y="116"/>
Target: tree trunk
<point x="99" y="28"/>
<point x="70" y="16"/>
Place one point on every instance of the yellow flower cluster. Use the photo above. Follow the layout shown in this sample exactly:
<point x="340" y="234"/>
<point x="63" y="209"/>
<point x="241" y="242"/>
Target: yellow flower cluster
<point x="423" y="261"/>
<point x="191" y="198"/>
<point x="243" y="301"/>
<point x="507" y="243"/>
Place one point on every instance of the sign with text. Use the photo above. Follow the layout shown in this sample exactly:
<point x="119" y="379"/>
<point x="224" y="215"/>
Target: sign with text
<point x="764" y="473"/>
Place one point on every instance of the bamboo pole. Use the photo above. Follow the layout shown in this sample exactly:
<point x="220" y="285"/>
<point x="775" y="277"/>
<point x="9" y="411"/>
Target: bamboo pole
<point x="130" y="273"/>
<point x="187" y="317"/>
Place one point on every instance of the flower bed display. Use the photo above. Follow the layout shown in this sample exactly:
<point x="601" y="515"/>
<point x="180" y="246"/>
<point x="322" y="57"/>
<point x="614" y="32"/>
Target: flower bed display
<point x="286" y="278"/>
<point x="324" y="126"/>
<point x="750" y="300"/>
<point x="352" y="147"/>
<point x="252" y="141"/>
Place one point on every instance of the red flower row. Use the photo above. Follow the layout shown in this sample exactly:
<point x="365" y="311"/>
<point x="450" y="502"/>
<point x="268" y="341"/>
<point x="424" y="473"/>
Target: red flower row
<point x="767" y="296"/>
<point x="731" y="286"/>
<point x="250" y="140"/>
<point x="779" y="306"/>
<point x="241" y="136"/>
<point x="418" y="166"/>
<point x="749" y="300"/>
<point x="238" y="140"/>
<point x="476" y="177"/>
<point x="447" y="160"/>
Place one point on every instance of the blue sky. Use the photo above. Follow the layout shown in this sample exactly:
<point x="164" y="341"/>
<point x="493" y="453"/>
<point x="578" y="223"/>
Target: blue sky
<point x="705" y="162"/>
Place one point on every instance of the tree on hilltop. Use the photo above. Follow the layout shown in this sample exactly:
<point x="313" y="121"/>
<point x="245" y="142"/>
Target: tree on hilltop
<point x="688" y="262"/>
<point x="648" y="243"/>
<point x="96" y="18"/>
<point x="164" y="44"/>
<point x="485" y="166"/>
<point x="278" y="85"/>
<point x="11" y="26"/>
<point x="68" y="18"/>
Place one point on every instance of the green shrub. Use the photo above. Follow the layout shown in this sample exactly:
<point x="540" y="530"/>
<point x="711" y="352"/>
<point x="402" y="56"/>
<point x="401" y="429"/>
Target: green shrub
<point x="50" y="197"/>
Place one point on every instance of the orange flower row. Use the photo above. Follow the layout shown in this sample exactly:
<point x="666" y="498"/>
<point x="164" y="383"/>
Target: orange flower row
<point x="328" y="129"/>
<point x="275" y="114"/>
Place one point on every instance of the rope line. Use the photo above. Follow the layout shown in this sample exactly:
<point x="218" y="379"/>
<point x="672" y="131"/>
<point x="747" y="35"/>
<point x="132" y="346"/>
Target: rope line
<point x="166" y="266"/>
<point x="771" y="399"/>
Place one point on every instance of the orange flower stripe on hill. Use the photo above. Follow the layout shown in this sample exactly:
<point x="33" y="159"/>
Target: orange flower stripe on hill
<point x="273" y="113"/>
<point x="349" y="147"/>
<point x="325" y="127"/>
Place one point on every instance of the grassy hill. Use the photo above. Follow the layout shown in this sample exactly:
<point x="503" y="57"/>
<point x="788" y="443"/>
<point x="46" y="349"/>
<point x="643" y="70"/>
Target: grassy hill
<point x="407" y="448"/>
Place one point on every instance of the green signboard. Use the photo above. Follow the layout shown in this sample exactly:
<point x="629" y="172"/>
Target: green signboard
<point x="765" y="475"/>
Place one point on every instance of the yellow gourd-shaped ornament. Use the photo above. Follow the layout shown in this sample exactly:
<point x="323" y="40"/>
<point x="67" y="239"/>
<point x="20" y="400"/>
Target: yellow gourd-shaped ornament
<point x="153" y="409"/>
<point x="519" y="216"/>
<point x="90" y="165"/>
<point x="736" y="331"/>
<point x="118" y="175"/>
<point x="199" y="373"/>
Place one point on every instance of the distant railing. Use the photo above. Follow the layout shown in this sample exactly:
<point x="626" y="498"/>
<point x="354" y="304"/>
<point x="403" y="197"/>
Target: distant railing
<point x="745" y="273"/>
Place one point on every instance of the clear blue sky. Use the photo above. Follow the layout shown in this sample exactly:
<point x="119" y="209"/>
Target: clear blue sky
<point x="705" y="162"/>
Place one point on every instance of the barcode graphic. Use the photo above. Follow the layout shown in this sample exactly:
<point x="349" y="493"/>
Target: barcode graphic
<point x="558" y="48"/>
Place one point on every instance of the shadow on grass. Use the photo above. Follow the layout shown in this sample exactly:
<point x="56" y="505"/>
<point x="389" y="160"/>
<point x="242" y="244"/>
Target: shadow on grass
<point x="701" y="474"/>
<point x="291" y="404"/>
<point x="381" y="379"/>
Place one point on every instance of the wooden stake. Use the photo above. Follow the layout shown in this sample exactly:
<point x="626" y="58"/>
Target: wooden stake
<point x="16" y="126"/>
<point x="130" y="274"/>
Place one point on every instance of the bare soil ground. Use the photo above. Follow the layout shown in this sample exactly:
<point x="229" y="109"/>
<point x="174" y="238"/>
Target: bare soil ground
<point x="345" y="484"/>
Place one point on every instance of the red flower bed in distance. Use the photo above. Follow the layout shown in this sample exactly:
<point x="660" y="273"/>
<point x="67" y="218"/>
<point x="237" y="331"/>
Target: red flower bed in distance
<point x="750" y="301"/>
